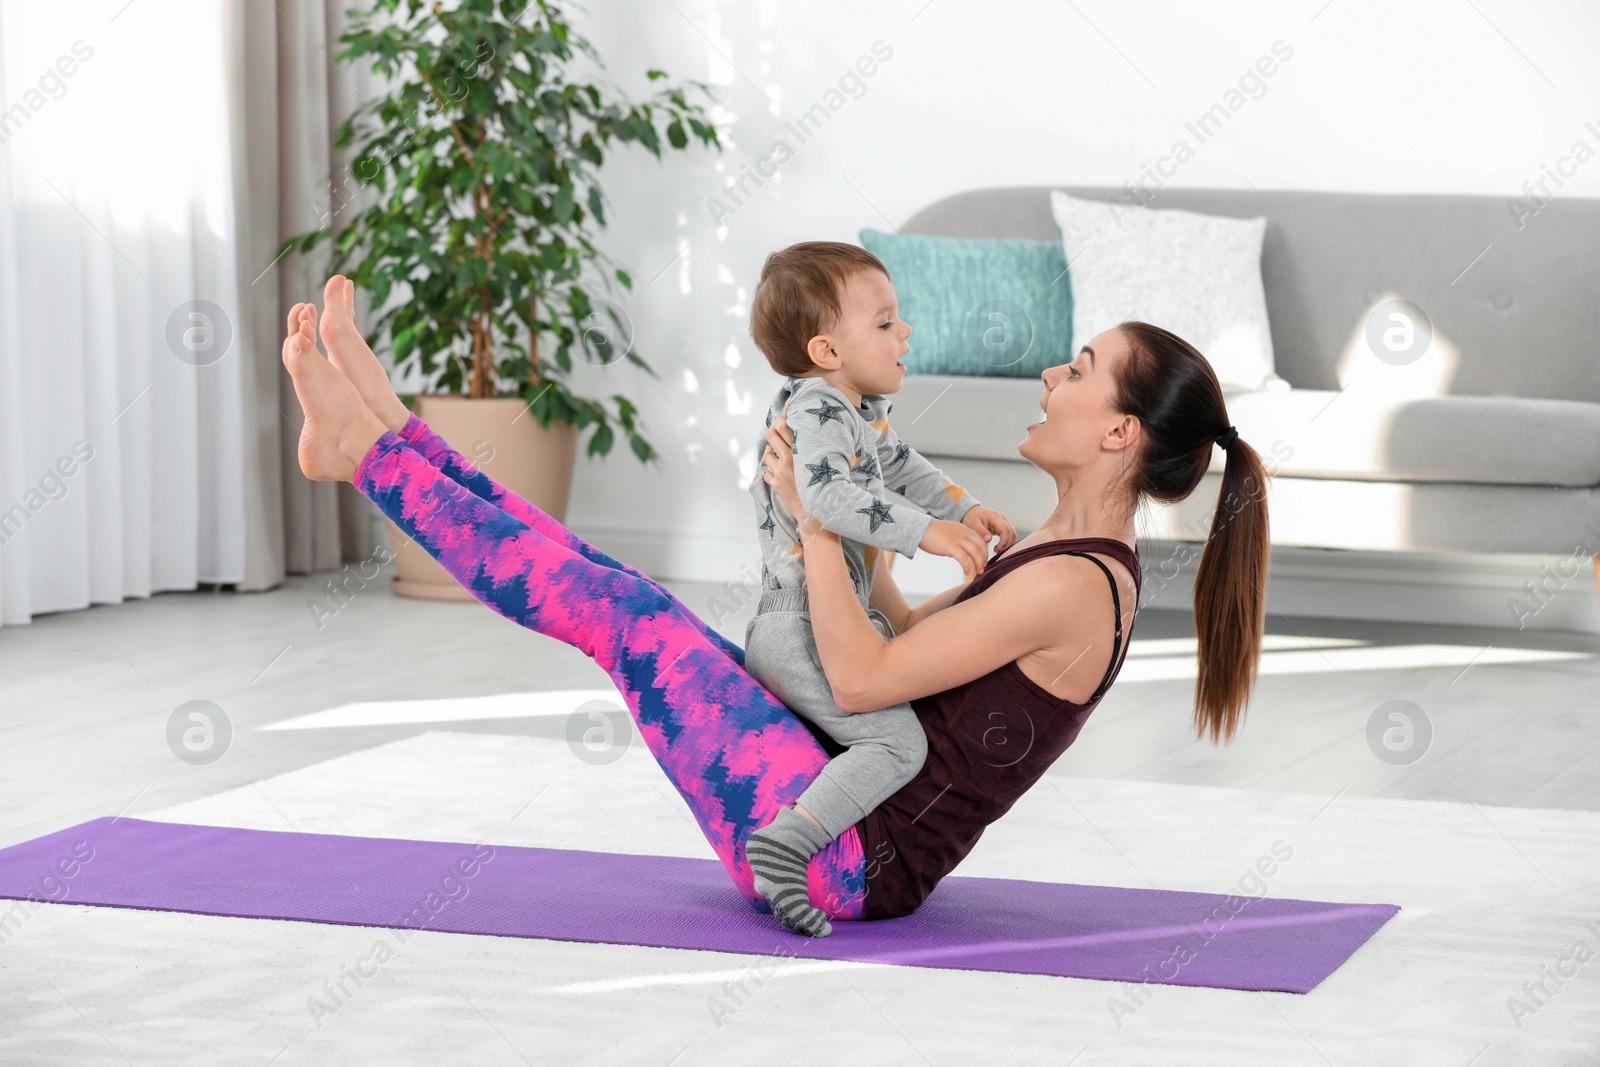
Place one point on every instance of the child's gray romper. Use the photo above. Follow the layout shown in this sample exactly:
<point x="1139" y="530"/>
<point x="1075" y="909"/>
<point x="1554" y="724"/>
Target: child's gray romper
<point x="844" y="457"/>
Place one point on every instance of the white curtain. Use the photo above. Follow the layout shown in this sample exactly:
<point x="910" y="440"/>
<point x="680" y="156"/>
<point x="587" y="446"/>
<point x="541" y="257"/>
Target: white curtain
<point x="150" y="164"/>
<point x="291" y="99"/>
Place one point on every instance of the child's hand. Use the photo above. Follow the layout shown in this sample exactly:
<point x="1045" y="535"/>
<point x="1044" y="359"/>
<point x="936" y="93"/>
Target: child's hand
<point x="990" y="523"/>
<point x="946" y="538"/>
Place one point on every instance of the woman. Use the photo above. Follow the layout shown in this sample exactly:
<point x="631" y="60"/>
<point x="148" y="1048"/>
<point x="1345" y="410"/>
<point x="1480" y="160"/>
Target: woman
<point x="1002" y="670"/>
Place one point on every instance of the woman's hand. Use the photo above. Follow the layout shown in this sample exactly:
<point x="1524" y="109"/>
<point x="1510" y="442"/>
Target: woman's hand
<point x="778" y="468"/>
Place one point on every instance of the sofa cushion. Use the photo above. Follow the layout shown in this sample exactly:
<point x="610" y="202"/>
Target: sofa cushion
<point x="1341" y="514"/>
<point x="1196" y="275"/>
<point x="979" y="307"/>
<point x="981" y="418"/>
<point x="1491" y="440"/>
<point x="1304" y="433"/>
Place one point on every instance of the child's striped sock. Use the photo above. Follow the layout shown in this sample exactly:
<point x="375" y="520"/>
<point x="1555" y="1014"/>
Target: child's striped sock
<point x="778" y="855"/>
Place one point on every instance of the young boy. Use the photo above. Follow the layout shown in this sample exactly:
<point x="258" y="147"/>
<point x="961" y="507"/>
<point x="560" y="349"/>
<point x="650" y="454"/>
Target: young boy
<point x="824" y="316"/>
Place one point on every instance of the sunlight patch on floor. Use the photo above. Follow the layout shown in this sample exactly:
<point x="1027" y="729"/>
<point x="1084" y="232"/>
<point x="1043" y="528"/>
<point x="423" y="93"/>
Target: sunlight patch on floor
<point x="551" y="704"/>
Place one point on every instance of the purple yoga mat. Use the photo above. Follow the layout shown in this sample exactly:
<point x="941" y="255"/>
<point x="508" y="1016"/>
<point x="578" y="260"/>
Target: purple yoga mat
<point x="979" y="924"/>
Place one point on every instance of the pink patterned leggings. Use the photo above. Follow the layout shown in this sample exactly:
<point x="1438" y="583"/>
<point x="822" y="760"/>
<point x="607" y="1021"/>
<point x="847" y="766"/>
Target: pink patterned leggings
<point x="733" y="751"/>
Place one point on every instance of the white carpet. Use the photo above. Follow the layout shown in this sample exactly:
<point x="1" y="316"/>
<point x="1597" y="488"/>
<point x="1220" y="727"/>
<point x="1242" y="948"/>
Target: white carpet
<point x="1491" y="897"/>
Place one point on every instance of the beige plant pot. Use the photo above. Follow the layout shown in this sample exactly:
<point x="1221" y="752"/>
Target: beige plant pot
<point x="500" y="437"/>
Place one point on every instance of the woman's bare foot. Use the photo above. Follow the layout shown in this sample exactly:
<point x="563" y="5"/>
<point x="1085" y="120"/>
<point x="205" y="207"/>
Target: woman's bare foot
<point x="349" y="351"/>
<point x="339" y="429"/>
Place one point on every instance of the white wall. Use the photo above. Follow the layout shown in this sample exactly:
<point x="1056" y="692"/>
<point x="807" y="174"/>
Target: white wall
<point x="1441" y="96"/>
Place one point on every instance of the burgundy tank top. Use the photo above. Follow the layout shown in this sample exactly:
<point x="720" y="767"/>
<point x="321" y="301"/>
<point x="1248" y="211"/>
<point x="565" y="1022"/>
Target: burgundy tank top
<point x="989" y="741"/>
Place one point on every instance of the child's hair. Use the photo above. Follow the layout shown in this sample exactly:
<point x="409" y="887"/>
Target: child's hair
<point x="800" y="295"/>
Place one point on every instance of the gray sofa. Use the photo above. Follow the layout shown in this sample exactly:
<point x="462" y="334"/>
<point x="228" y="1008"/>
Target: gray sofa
<point x="1507" y="459"/>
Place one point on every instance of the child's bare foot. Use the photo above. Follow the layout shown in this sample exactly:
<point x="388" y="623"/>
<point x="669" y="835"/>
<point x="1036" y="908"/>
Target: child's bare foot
<point x="348" y="351"/>
<point x="339" y="429"/>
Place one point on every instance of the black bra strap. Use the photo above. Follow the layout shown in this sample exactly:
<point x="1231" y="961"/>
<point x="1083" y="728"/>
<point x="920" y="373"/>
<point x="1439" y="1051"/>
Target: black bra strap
<point x="1116" y="603"/>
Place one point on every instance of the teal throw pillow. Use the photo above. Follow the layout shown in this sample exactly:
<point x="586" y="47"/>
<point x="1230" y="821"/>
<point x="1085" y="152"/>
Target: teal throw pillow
<point x="979" y="307"/>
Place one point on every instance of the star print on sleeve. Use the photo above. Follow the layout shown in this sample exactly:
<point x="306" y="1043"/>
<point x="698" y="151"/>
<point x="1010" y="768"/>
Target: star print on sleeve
<point x="768" y="526"/>
<point x="826" y="411"/>
<point x="837" y="445"/>
<point x="878" y="514"/>
<point x="921" y="482"/>
<point x="952" y="492"/>
<point x="821" y="473"/>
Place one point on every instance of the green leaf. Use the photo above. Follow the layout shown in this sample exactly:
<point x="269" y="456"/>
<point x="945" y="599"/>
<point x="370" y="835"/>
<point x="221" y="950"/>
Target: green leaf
<point x="404" y="343"/>
<point x="562" y="205"/>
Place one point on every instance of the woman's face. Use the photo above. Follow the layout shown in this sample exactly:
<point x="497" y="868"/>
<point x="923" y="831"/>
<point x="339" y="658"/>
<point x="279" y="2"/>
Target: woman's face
<point x="1077" y="405"/>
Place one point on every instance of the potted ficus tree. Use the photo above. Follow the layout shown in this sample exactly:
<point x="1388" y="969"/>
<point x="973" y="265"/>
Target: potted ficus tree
<point x="482" y="158"/>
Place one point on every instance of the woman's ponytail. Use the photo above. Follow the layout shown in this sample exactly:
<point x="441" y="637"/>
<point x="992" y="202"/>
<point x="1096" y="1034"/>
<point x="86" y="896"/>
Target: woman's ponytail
<point x="1230" y="595"/>
<point x="1170" y="387"/>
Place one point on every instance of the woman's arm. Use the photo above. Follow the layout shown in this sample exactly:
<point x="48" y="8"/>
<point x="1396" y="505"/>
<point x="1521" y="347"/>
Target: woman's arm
<point x="944" y="649"/>
<point x="887" y="598"/>
<point x="947" y="648"/>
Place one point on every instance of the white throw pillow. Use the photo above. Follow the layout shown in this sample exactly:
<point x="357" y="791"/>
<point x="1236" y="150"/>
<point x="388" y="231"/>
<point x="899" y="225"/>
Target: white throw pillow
<point x="1198" y="276"/>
